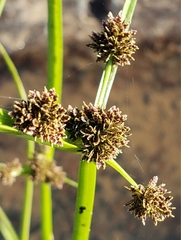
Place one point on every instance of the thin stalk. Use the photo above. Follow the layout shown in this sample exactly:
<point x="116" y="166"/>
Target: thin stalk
<point x="46" y="204"/>
<point x="55" y="46"/>
<point x="102" y="86"/>
<point x="71" y="182"/>
<point x="55" y="78"/>
<point x="128" y="10"/>
<point x="105" y="85"/>
<point x="14" y="132"/>
<point x="46" y="212"/>
<point x="14" y="72"/>
<point x="120" y="170"/>
<point x="26" y="213"/>
<point x="85" y="200"/>
<point x="28" y="199"/>
<point x="2" y="4"/>
<point x="87" y="172"/>
<point x="6" y="227"/>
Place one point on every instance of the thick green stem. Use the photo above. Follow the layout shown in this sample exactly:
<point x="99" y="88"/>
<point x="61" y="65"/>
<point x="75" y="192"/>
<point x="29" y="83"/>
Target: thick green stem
<point x="85" y="200"/>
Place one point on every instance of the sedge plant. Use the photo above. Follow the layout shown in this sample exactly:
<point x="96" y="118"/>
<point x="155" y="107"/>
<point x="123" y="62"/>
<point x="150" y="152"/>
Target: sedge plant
<point x="97" y="134"/>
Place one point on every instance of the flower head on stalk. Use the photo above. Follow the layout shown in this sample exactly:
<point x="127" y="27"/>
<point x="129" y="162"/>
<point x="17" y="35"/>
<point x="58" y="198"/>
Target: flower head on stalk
<point x="115" y="40"/>
<point x="9" y="172"/>
<point x="150" y="201"/>
<point x="99" y="133"/>
<point x="41" y="116"/>
<point x="44" y="170"/>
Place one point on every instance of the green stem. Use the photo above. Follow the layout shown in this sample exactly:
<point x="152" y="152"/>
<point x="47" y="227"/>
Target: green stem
<point x="71" y="182"/>
<point x="27" y="207"/>
<point x="14" y="132"/>
<point x="128" y="10"/>
<point x="55" y="72"/>
<point x="105" y="85"/>
<point x="28" y="199"/>
<point x="119" y="169"/>
<point x="14" y="72"/>
<point x="55" y="46"/>
<point x="26" y="213"/>
<point x="85" y="200"/>
<point x="46" y="212"/>
<point x="46" y="204"/>
<point x="87" y="172"/>
<point x="2" y="4"/>
<point x="6" y="227"/>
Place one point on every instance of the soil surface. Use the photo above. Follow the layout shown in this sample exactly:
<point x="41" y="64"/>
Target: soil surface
<point x="148" y="91"/>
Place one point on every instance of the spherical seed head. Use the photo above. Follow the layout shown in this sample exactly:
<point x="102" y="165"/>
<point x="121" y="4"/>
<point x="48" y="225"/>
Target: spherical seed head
<point x="150" y="201"/>
<point x="115" y="40"/>
<point x="100" y="134"/>
<point x="10" y="171"/>
<point x="44" y="170"/>
<point x="41" y="116"/>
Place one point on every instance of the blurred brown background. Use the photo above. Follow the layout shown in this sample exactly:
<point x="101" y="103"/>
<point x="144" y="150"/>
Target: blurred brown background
<point x="148" y="91"/>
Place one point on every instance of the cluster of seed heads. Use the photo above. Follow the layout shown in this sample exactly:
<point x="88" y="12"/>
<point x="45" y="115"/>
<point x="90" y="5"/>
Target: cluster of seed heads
<point x="150" y="201"/>
<point x="100" y="134"/>
<point x="114" y="41"/>
<point x="40" y="169"/>
<point x="41" y="116"/>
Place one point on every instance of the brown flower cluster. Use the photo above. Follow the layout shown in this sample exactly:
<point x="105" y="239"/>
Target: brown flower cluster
<point x="39" y="168"/>
<point x="41" y="116"/>
<point x="115" y="40"/>
<point x="100" y="134"/>
<point x="150" y="201"/>
<point x="44" y="170"/>
<point x="9" y="172"/>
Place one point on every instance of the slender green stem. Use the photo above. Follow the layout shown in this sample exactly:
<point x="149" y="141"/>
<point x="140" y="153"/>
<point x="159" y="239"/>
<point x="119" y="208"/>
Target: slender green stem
<point x="119" y="169"/>
<point x="28" y="199"/>
<point x="128" y="10"/>
<point x="46" y="212"/>
<point x="71" y="182"/>
<point x="87" y="172"/>
<point x="26" y="213"/>
<point x="6" y="127"/>
<point x="2" y="4"/>
<point x="6" y="227"/>
<point x="14" y="72"/>
<point x="55" y="45"/>
<point x="55" y="72"/>
<point x="105" y="85"/>
<point x="85" y="200"/>
<point x="110" y="70"/>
